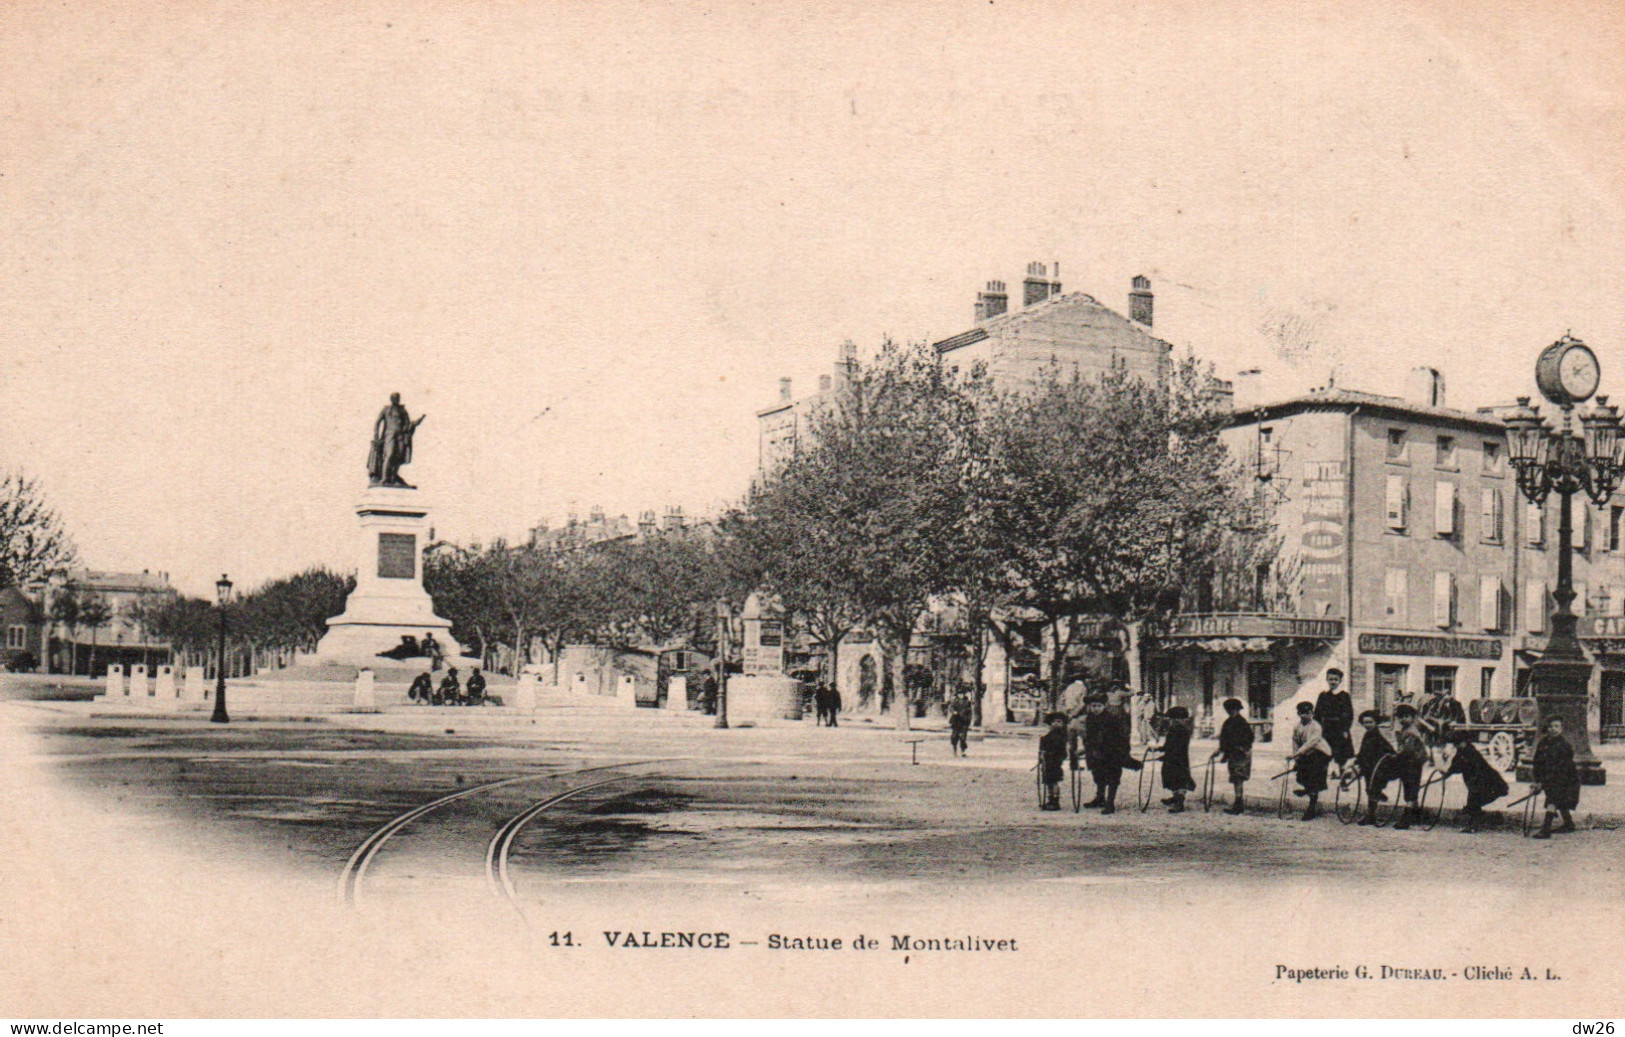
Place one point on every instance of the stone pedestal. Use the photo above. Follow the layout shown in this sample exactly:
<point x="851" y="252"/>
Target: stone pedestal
<point x="524" y="692"/>
<point x="366" y="699"/>
<point x="140" y="694"/>
<point x="626" y="691"/>
<point x="194" y="691"/>
<point x="389" y="602"/>
<point x="114" y="686"/>
<point x="677" y="694"/>
<point x="164" y="695"/>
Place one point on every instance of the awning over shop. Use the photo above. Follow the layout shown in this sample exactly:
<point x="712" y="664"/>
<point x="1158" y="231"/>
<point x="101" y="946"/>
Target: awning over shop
<point x="1243" y="631"/>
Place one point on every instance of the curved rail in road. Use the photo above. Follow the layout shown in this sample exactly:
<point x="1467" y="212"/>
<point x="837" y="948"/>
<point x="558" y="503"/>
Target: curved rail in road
<point x="355" y="869"/>
<point x="496" y="854"/>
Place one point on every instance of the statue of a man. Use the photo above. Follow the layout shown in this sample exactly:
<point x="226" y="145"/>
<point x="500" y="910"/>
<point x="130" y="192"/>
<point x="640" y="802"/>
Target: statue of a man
<point x="391" y="445"/>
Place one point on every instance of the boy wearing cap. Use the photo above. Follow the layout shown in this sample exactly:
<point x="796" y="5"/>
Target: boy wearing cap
<point x="1106" y="747"/>
<point x="1334" y="712"/>
<point x="1557" y="776"/>
<point x="1176" y="759"/>
<point x="1052" y="760"/>
<point x="1374" y="745"/>
<point x="1236" y="748"/>
<point x="1410" y="753"/>
<point x="1310" y="756"/>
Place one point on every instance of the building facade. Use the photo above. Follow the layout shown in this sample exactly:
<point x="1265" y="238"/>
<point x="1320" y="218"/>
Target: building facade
<point x="1413" y="564"/>
<point x="124" y="636"/>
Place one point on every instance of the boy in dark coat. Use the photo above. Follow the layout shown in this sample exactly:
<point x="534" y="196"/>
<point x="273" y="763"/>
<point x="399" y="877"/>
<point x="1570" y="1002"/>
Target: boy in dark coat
<point x="1236" y="747"/>
<point x="1052" y="760"/>
<point x="450" y="691"/>
<point x="1334" y="712"/>
<point x="422" y="688"/>
<point x="1176" y="759"/>
<point x="1484" y="783"/>
<point x="476" y="688"/>
<point x="1106" y="746"/>
<point x="1557" y="776"/>
<point x="1374" y="747"/>
<point x="959" y="726"/>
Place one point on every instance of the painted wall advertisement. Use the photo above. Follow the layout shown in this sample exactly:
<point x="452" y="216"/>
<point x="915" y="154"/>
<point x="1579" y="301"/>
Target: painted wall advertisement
<point x="1325" y="537"/>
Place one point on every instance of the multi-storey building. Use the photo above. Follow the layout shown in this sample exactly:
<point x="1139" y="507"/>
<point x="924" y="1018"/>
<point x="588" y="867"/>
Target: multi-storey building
<point x="1410" y="560"/>
<point x="125" y="636"/>
<point x="1071" y="334"/>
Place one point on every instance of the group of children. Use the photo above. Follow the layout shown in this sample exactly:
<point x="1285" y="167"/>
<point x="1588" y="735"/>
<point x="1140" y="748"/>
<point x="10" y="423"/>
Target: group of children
<point x="1320" y="739"/>
<point x="450" y="692"/>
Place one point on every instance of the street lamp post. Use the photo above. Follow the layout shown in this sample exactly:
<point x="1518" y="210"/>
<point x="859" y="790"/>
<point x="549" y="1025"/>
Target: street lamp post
<point x="724" y="621"/>
<point x="1557" y="460"/>
<point x="222" y="589"/>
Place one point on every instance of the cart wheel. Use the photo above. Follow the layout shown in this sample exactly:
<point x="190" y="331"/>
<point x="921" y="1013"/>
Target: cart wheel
<point x="1077" y="790"/>
<point x="1283" y="802"/>
<point x="1347" y="799"/>
<point x="1147" y="785"/>
<point x="1207" y="786"/>
<point x="1502" y="751"/>
<point x="1430" y="801"/>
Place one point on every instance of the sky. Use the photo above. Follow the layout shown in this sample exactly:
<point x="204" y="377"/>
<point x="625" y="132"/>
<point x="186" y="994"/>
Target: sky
<point x="586" y="240"/>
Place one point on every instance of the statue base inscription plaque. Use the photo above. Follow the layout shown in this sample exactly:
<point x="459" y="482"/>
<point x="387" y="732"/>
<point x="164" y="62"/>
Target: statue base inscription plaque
<point x="389" y="613"/>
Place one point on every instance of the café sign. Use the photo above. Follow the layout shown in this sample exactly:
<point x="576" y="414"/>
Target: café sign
<point x="1248" y="626"/>
<point x="1443" y="647"/>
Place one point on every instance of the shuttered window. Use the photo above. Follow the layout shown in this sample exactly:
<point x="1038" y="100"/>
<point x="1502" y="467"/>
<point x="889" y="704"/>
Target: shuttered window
<point x="1489" y="602"/>
<point x="1534" y="606"/>
<point x="1398" y="498"/>
<point x="1444" y="509"/>
<point x="1537" y="525"/>
<point x="1444" y="595"/>
<point x="1395" y="592"/>
<point x="1490" y="513"/>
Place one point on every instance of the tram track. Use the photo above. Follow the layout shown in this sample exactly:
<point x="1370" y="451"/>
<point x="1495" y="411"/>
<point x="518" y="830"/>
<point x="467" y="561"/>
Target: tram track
<point x="355" y="869"/>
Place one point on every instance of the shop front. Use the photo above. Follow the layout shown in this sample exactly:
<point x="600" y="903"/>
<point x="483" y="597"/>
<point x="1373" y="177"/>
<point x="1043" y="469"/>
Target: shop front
<point x="1199" y="660"/>
<point x="1388" y="669"/>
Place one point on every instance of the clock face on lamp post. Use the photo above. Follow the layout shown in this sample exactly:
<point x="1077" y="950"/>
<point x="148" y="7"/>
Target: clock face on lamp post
<point x="1567" y="372"/>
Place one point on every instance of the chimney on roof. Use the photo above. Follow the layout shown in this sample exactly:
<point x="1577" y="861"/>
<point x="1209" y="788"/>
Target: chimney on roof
<point x="646" y="523"/>
<point x="823" y="383"/>
<point x="596" y="516"/>
<point x="784" y="389"/>
<point x="1037" y="287"/>
<point x="991" y="301"/>
<point x="673" y="518"/>
<point x="1426" y="387"/>
<point x="1247" y="390"/>
<point x="1139" y="300"/>
<point x="846" y="364"/>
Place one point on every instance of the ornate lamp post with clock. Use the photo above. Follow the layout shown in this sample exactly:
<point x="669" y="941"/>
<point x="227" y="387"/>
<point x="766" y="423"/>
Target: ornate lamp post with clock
<point x="1557" y="460"/>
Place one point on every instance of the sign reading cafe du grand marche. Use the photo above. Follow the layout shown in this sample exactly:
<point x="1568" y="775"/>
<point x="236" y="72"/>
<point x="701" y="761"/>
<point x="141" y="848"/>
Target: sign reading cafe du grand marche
<point x="1418" y="644"/>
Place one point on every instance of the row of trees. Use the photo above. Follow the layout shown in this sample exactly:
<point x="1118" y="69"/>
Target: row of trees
<point x="655" y="592"/>
<point x="1050" y="502"/>
<point x="272" y="623"/>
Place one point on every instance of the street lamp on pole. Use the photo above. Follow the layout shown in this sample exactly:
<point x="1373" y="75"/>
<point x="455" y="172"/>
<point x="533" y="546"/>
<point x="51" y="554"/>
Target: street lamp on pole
<point x="724" y="621"/>
<point x="1551" y="460"/>
<point x="222" y="589"/>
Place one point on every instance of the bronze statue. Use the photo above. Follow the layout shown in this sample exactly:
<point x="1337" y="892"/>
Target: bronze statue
<point x="391" y="445"/>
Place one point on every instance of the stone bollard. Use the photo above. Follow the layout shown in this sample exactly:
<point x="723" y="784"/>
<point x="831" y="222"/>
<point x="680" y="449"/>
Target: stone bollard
<point x="113" y="691"/>
<point x="677" y="694"/>
<point x="626" y="691"/>
<point x="140" y="694"/>
<point x="164" y="696"/>
<point x="524" y="692"/>
<point x="194" y="691"/>
<point x="365" y="700"/>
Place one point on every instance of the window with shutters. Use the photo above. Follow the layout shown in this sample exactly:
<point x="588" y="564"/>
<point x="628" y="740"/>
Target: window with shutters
<point x="1399" y="494"/>
<point x="1494" y="459"/>
<point x="1582" y="599"/>
<point x="1534" y="606"/>
<point x="16" y="636"/>
<point x="1535" y="520"/>
<point x="1394" y="594"/>
<point x="1615" y="515"/>
<point x="1444" y="599"/>
<point x="1616" y="601"/>
<point x="1490" y="514"/>
<point x="1489" y="602"/>
<point x="1444" y="509"/>
<point x="1486" y="682"/>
